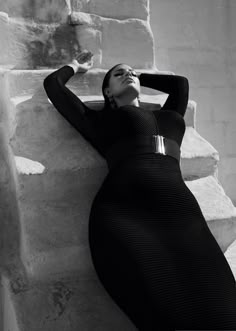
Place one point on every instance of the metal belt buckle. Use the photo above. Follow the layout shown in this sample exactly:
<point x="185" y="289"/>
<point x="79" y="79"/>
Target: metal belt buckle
<point x="159" y="144"/>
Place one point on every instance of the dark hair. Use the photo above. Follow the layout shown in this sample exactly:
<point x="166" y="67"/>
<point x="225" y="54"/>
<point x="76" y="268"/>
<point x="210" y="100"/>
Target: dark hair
<point x="105" y="84"/>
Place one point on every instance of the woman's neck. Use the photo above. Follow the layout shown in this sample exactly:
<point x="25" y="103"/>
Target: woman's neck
<point x="126" y="101"/>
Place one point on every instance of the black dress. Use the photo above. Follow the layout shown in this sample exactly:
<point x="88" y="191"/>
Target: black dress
<point x="150" y="244"/>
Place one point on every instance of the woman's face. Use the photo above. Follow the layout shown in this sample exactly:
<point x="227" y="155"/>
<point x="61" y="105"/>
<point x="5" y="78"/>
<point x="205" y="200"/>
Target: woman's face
<point x="123" y="81"/>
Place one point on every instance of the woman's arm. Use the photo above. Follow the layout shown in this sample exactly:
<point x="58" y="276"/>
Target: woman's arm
<point x="68" y="104"/>
<point x="176" y="86"/>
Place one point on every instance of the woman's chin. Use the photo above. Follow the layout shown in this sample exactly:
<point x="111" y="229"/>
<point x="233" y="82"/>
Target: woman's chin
<point x="131" y="88"/>
<point x="129" y="91"/>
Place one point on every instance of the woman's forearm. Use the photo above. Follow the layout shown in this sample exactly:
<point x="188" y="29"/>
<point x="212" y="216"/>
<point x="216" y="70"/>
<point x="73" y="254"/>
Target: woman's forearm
<point x="164" y="83"/>
<point x="176" y="86"/>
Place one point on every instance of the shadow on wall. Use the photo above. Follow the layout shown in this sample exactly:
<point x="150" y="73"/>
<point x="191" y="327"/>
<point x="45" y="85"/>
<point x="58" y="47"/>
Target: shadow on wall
<point x="54" y="206"/>
<point x="42" y="11"/>
<point x="42" y="134"/>
<point x="10" y="234"/>
<point x="36" y="34"/>
<point x="49" y="47"/>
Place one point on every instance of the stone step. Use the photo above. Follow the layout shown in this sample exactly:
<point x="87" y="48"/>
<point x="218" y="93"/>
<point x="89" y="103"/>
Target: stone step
<point x="70" y="302"/>
<point x="149" y="102"/>
<point x="54" y="209"/>
<point x="54" y="221"/>
<point x="30" y="82"/>
<point x="230" y="255"/>
<point x="9" y="320"/>
<point x="198" y="157"/>
<point x="42" y="134"/>
<point x="63" y="304"/>
<point x="67" y="163"/>
<point x="96" y="102"/>
<point x="217" y="208"/>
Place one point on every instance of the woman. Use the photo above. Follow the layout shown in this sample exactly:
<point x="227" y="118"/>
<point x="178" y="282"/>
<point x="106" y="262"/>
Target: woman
<point x="150" y="244"/>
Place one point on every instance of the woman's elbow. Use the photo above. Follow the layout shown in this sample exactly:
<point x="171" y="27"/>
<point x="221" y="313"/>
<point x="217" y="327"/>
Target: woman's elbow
<point x="184" y="84"/>
<point x="50" y="84"/>
<point x="46" y="83"/>
<point x="49" y="87"/>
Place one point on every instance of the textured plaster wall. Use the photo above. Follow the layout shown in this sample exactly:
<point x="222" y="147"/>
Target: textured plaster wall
<point x="198" y="39"/>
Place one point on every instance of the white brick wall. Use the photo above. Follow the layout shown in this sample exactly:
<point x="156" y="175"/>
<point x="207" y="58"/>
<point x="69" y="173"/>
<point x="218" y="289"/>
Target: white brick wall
<point x="197" y="39"/>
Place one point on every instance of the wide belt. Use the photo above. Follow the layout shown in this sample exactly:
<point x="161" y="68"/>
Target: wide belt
<point x="142" y="144"/>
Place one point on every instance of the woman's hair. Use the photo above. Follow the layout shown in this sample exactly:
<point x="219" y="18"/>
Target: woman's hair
<point x="107" y="103"/>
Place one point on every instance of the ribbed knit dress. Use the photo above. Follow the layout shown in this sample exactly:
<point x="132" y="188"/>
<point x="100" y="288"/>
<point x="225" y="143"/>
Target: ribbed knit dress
<point x="150" y="244"/>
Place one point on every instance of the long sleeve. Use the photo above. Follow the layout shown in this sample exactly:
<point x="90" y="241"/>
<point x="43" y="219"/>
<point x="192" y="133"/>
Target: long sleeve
<point x="176" y="86"/>
<point x="69" y="105"/>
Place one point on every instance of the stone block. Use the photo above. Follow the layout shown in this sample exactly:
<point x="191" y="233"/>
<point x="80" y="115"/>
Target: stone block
<point x="64" y="304"/>
<point x="54" y="211"/>
<point x="198" y="157"/>
<point x="216" y="134"/>
<point x="205" y="68"/>
<point x="91" y="39"/>
<point x="43" y="135"/>
<point x="230" y="255"/>
<point x="27" y="166"/>
<point x="8" y="313"/>
<point x="7" y="109"/>
<point x="38" y="120"/>
<point x="217" y="209"/>
<point x="229" y="164"/>
<point x="41" y="11"/>
<point x="128" y="42"/>
<point x="121" y="40"/>
<point x="191" y="24"/>
<point x="230" y="133"/>
<point x="74" y="186"/>
<point x="25" y="83"/>
<point x="119" y="9"/>
<point x="29" y="45"/>
<point x="232" y="67"/>
<point x="54" y="222"/>
<point x="229" y="183"/>
<point x="224" y="104"/>
<point x="204" y="98"/>
<point x="57" y="262"/>
<point x="53" y="11"/>
<point x="10" y="231"/>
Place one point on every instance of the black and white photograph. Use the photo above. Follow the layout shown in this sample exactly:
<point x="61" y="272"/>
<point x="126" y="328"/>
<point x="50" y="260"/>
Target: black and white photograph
<point x="117" y="165"/>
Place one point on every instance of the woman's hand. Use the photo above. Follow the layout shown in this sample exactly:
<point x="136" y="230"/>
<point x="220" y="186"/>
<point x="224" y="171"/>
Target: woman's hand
<point x="83" y="62"/>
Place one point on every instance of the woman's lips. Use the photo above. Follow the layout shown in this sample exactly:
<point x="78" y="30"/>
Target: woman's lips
<point x="130" y="80"/>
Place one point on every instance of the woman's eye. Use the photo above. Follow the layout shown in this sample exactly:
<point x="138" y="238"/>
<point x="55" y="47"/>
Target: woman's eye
<point x="133" y="73"/>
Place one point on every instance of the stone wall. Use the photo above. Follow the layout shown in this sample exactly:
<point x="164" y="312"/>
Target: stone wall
<point x="197" y="39"/>
<point x="50" y="33"/>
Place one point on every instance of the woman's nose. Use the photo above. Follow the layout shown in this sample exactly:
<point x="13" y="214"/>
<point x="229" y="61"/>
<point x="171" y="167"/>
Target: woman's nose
<point x="128" y="72"/>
